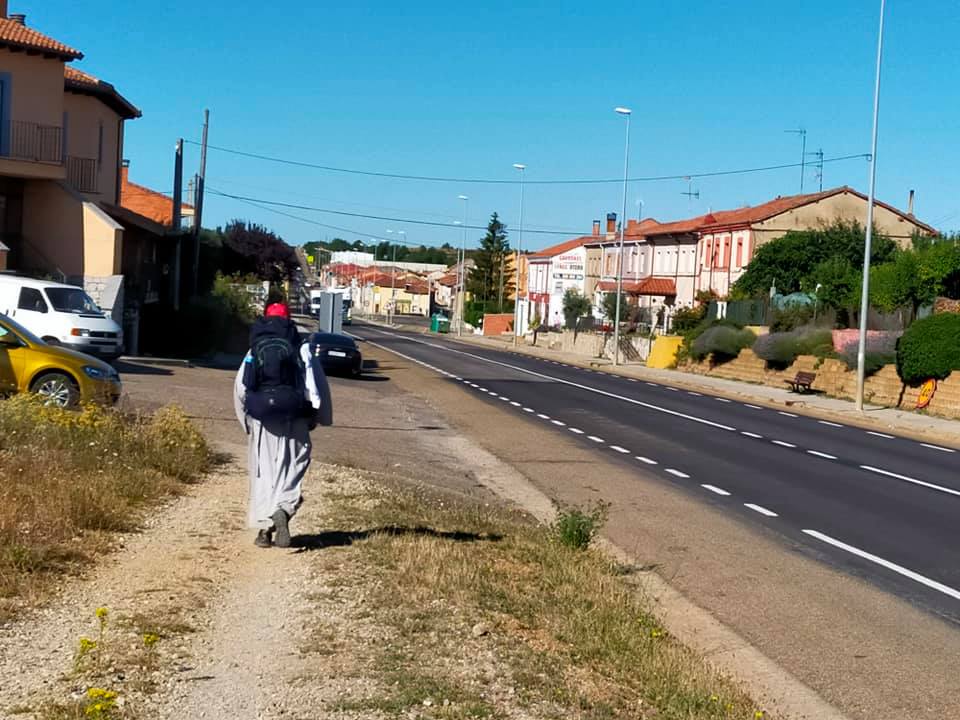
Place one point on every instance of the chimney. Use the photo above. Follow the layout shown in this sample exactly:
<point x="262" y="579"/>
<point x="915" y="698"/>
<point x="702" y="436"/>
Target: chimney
<point x="611" y="226"/>
<point x="596" y="228"/>
<point x="18" y="18"/>
<point x="124" y="172"/>
<point x="910" y="204"/>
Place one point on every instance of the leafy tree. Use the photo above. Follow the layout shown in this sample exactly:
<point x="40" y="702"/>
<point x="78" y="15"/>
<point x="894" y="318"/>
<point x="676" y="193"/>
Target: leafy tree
<point x="610" y="306"/>
<point x="790" y="261"/>
<point x="249" y="249"/>
<point x="492" y="275"/>
<point x="575" y="306"/>
<point x="839" y="283"/>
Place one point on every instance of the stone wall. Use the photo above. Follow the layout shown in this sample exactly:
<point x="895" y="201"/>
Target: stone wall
<point x="834" y="379"/>
<point x="594" y="345"/>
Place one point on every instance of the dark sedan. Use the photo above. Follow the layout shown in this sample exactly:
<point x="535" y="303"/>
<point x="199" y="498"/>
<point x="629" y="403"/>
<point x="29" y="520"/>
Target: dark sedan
<point x="338" y="353"/>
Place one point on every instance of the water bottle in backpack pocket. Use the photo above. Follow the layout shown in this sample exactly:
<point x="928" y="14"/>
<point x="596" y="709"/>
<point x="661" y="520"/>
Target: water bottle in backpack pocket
<point x="273" y="378"/>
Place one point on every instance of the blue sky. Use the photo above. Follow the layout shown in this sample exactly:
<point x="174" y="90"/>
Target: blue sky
<point x="466" y="90"/>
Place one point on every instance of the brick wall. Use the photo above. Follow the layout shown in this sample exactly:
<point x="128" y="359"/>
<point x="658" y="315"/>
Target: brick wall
<point x="497" y="324"/>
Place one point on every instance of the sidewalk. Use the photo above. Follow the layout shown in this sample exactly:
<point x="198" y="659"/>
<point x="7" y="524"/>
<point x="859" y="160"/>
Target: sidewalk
<point x="903" y="422"/>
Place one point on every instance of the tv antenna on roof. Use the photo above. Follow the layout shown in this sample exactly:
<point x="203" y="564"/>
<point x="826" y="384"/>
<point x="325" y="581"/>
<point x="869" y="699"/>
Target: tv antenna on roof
<point x="803" y="152"/>
<point x="691" y="193"/>
<point x="818" y="154"/>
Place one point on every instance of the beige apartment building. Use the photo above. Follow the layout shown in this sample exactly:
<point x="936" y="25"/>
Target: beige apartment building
<point x="67" y="210"/>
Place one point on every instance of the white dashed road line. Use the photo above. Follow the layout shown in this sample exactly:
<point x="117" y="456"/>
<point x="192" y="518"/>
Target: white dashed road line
<point x="786" y="414"/>
<point x="880" y="435"/>
<point x="721" y="400"/>
<point x="715" y="489"/>
<point x="595" y="438"/>
<point x="695" y="394"/>
<point x="752" y="407"/>
<point x="751" y="435"/>
<point x="515" y="403"/>
<point x="620" y="449"/>
<point x="781" y="443"/>
<point x="542" y="416"/>
<point x="559" y="423"/>
<point x="760" y="509"/>
<point x="907" y="478"/>
<point x="646" y="460"/>
<point x="937" y="447"/>
<point x="578" y="431"/>
<point x="823" y="455"/>
<point x="831" y="424"/>
<point x="676" y="473"/>
<point x="899" y="569"/>
<point x="529" y="410"/>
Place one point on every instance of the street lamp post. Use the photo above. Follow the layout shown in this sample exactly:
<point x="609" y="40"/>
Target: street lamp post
<point x="516" y="291"/>
<point x="625" y="112"/>
<point x="865" y="291"/>
<point x="463" y="261"/>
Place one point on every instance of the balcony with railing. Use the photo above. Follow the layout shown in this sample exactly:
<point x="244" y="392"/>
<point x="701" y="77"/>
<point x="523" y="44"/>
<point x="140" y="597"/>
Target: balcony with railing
<point x="82" y="174"/>
<point x="35" y="142"/>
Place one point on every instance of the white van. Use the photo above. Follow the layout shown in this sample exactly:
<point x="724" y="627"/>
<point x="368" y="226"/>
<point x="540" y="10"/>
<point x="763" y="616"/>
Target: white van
<point x="61" y="315"/>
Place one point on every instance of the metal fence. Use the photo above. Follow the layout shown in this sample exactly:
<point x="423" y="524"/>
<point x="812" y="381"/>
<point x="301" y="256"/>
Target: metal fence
<point x="743" y="312"/>
<point x="39" y="143"/>
<point x="82" y="173"/>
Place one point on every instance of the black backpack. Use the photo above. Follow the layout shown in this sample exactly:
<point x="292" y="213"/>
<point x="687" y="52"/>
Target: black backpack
<point x="273" y="378"/>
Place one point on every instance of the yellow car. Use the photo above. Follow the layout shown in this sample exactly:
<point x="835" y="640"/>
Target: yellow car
<point x="63" y="377"/>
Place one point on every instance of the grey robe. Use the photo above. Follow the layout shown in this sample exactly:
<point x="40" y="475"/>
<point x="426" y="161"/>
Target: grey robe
<point x="278" y="454"/>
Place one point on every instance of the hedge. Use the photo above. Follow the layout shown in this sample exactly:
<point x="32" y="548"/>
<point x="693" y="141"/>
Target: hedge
<point x="721" y="343"/>
<point x="930" y="348"/>
<point x="782" y="348"/>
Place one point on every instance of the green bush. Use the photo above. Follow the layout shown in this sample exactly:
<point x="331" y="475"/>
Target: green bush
<point x="791" y="317"/>
<point x="721" y="343"/>
<point x="930" y="348"/>
<point x="782" y="348"/>
<point x="686" y="319"/>
<point x="575" y="528"/>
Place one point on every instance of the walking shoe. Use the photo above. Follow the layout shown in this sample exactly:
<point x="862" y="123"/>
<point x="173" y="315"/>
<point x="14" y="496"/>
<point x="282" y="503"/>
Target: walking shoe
<point x="281" y="521"/>
<point x="263" y="539"/>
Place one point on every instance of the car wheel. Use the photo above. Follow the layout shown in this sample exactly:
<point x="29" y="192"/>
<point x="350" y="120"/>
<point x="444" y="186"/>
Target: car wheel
<point x="356" y="370"/>
<point x="57" y="389"/>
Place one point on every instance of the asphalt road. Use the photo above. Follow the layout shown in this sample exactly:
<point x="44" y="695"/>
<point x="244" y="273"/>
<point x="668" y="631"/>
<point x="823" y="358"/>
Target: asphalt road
<point x="878" y="506"/>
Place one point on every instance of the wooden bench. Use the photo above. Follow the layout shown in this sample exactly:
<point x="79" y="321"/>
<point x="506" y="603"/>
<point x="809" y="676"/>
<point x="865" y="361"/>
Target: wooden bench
<point x="802" y="382"/>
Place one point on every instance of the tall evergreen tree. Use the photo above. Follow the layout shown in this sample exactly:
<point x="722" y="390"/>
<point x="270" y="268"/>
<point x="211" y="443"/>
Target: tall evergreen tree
<point x="493" y="268"/>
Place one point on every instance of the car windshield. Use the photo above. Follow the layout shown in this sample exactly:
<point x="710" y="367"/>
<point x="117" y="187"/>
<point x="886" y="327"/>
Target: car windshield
<point x="8" y="326"/>
<point x="72" y="300"/>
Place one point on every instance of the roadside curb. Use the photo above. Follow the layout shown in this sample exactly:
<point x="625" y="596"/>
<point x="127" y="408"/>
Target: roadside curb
<point x="163" y="362"/>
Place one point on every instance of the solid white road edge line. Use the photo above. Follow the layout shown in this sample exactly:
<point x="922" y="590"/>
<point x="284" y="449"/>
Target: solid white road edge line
<point x="561" y="381"/>
<point x="906" y="478"/>
<point x="715" y="489"/>
<point x="899" y="569"/>
<point x="760" y="509"/>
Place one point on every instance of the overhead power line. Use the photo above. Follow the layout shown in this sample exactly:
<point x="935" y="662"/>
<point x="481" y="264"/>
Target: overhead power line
<point x="496" y="181"/>
<point x="430" y="223"/>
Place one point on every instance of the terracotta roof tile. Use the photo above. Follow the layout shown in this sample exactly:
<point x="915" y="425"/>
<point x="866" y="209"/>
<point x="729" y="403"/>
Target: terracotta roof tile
<point x="561" y="248"/>
<point x="146" y="202"/>
<point x="79" y="81"/>
<point x="20" y="37"/>
<point x="647" y="286"/>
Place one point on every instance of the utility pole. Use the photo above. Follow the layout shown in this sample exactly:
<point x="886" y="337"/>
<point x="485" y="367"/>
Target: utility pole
<point x="198" y="204"/>
<point x="177" y="216"/>
<point x="865" y="291"/>
<point x="803" y="153"/>
<point x="517" y="330"/>
<point x="623" y="112"/>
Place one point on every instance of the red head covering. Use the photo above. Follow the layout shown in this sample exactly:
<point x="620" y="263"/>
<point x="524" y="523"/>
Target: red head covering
<point x="277" y="310"/>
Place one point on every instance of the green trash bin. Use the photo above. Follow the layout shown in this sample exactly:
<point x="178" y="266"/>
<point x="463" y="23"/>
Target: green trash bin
<point x="433" y="322"/>
<point x="443" y="323"/>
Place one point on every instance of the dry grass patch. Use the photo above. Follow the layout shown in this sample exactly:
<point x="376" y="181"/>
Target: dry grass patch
<point x="70" y="479"/>
<point x="491" y="615"/>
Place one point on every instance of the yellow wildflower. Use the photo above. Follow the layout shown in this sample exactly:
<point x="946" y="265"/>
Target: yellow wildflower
<point x="102" y="612"/>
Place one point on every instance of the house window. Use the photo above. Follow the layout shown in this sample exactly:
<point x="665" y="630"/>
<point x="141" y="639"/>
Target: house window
<point x="739" y="253"/>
